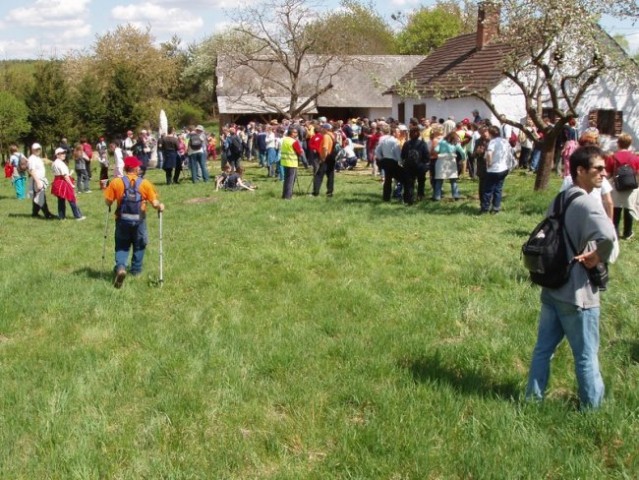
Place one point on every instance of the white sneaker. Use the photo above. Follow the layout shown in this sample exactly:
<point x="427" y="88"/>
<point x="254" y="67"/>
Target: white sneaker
<point x="79" y="219"/>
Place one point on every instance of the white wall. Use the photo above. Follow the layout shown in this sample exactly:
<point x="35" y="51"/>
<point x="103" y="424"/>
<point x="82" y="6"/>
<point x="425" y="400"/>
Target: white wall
<point x="609" y="94"/>
<point x="606" y="94"/>
<point x="459" y="108"/>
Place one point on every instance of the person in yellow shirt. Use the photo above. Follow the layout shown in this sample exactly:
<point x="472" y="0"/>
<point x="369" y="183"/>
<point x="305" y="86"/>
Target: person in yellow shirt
<point x="290" y="151"/>
<point x="131" y="193"/>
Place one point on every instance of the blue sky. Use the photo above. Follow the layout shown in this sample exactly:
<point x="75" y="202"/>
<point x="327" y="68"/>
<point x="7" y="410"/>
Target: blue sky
<point x="50" y="28"/>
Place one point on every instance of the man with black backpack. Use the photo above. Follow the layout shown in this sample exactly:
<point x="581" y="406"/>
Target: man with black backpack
<point x="570" y="308"/>
<point x="414" y="158"/>
<point x="131" y="192"/>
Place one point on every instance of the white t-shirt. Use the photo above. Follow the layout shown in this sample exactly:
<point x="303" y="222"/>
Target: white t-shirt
<point x="59" y="168"/>
<point x="500" y="150"/>
<point x="118" y="169"/>
<point x="605" y="189"/>
<point x="36" y="165"/>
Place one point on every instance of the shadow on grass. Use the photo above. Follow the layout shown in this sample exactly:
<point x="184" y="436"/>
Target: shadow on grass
<point x="459" y="377"/>
<point x="94" y="274"/>
<point x="25" y="215"/>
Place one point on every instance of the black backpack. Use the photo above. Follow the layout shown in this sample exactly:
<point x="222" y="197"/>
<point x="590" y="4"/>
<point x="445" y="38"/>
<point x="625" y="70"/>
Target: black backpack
<point x="130" y="209"/>
<point x="413" y="155"/>
<point x="625" y="178"/>
<point x="195" y="141"/>
<point x="544" y="253"/>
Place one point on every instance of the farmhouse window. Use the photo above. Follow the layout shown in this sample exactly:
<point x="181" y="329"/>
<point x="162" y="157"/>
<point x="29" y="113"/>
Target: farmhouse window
<point x="401" y="112"/>
<point x="419" y="111"/>
<point x="609" y="122"/>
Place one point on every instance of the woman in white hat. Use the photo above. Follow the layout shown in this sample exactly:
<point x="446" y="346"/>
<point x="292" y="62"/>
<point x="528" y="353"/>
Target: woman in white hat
<point x="39" y="183"/>
<point x="63" y="187"/>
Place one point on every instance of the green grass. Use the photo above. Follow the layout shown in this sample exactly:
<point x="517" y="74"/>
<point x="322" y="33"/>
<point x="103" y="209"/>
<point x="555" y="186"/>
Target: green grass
<point x="312" y="339"/>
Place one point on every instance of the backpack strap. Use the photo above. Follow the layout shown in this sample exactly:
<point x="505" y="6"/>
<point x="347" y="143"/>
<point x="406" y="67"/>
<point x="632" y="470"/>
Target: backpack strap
<point x="564" y="207"/>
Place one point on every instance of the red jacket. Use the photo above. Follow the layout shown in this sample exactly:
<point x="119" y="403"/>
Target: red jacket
<point x="315" y="142"/>
<point x="622" y="157"/>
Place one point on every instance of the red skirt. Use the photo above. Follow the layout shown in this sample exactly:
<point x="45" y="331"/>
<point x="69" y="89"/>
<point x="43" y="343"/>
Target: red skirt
<point x="61" y="188"/>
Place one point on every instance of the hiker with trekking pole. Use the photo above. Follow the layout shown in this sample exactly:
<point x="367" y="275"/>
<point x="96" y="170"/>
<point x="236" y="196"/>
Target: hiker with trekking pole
<point x="131" y="192"/>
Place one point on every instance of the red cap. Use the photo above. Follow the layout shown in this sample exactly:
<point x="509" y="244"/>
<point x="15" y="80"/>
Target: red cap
<point x="466" y="121"/>
<point x="132" y="162"/>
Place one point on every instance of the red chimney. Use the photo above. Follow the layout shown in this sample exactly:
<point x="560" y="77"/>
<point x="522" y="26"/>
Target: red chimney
<point x="487" y="22"/>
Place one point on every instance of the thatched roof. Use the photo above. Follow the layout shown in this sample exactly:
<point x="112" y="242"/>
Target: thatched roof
<point x="359" y="84"/>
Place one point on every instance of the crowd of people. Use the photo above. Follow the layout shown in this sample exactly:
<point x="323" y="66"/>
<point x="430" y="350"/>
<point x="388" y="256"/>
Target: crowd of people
<point x="602" y="187"/>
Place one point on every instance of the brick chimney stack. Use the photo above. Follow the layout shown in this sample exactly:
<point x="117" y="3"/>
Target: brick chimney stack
<point x="487" y="22"/>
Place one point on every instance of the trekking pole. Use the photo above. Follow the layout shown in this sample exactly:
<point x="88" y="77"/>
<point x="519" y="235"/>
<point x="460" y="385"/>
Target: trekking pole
<point x="297" y="182"/>
<point x="106" y="226"/>
<point x="161" y="252"/>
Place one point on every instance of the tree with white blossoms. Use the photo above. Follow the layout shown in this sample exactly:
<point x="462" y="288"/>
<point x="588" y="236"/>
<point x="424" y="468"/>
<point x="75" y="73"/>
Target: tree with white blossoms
<point x="273" y="50"/>
<point x="557" y="53"/>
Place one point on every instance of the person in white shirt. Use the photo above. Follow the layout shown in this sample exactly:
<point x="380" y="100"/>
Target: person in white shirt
<point x="39" y="183"/>
<point x="498" y="154"/>
<point x="118" y="165"/>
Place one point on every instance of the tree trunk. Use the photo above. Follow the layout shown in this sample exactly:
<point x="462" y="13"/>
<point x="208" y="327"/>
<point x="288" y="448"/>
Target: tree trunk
<point x="546" y="162"/>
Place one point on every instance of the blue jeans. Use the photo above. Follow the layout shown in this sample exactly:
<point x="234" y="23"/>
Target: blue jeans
<point x="127" y="236"/>
<point x="534" y="163"/>
<point x="581" y="327"/>
<point x="493" y="186"/>
<point x="62" y="210"/>
<point x="439" y="185"/>
<point x="198" y="159"/>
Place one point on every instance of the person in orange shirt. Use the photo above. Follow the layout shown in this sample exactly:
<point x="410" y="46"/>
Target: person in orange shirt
<point x="326" y="162"/>
<point x="131" y="192"/>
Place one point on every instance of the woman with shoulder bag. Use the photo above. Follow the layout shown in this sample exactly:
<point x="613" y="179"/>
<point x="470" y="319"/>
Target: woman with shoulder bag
<point x="623" y="199"/>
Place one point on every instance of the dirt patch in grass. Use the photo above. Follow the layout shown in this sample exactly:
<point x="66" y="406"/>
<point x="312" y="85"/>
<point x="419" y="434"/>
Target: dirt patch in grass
<point x="201" y="200"/>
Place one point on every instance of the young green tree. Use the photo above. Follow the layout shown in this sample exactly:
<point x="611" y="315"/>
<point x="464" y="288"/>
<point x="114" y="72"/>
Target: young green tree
<point x="122" y="101"/>
<point x="49" y="104"/>
<point x="14" y="123"/>
<point x="156" y="72"/>
<point x="429" y="27"/>
<point x="89" y="109"/>
<point x="354" y="29"/>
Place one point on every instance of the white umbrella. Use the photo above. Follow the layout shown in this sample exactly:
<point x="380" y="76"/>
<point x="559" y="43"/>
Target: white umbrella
<point x="164" y="123"/>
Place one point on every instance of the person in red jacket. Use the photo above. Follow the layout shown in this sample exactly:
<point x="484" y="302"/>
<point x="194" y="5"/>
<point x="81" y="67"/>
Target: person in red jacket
<point x="622" y="199"/>
<point x="314" y="145"/>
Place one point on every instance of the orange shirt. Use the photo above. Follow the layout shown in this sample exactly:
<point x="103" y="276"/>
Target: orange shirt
<point x="115" y="190"/>
<point x="327" y="145"/>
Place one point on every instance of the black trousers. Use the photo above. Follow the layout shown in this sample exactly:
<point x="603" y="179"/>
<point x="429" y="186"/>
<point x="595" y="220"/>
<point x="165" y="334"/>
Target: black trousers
<point x="35" y="209"/>
<point x="325" y="169"/>
<point x="392" y="170"/>
<point x="410" y="175"/>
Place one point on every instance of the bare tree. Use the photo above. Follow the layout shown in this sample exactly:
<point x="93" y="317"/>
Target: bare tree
<point x="268" y="60"/>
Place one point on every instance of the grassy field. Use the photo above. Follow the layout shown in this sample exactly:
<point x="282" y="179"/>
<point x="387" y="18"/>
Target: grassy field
<point x="319" y="338"/>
